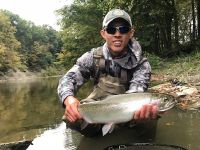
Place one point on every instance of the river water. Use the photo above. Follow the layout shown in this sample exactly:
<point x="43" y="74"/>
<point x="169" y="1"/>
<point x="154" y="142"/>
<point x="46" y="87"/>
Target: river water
<point x="30" y="110"/>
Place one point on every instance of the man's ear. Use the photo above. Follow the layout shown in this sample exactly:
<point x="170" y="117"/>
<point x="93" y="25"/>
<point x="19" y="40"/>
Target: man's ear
<point x="102" y="32"/>
<point x="132" y="33"/>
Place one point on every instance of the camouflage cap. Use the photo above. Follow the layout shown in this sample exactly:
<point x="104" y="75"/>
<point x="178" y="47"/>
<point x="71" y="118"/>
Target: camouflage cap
<point x="116" y="13"/>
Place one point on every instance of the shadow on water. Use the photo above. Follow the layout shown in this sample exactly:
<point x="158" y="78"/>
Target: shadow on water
<point x="117" y="137"/>
<point x="29" y="110"/>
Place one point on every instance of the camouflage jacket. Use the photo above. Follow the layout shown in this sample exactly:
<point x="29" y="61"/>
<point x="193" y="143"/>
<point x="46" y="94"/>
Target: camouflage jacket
<point x="84" y="69"/>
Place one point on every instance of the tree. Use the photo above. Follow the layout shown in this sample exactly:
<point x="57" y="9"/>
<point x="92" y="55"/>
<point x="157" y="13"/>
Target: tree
<point x="193" y="21"/>
<point x="198" y="17"/>
<point x="39" y="57"/>
<point x="81" y="25"/>
<point x="163" y="27"/>
<point x="9" y="57"/>
<point x="31" y="35"/>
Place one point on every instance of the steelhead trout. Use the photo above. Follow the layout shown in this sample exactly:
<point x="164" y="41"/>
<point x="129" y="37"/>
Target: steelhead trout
<point x="120" y="108"/>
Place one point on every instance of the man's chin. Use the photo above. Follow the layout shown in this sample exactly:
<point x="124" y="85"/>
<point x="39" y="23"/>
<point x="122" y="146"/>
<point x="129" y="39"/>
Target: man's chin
<point x="116" y="52"/>
<point x="117" y="49"/>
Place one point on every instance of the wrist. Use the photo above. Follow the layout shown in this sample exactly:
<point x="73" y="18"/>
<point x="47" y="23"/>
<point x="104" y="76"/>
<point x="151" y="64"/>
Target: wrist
<point x="69" y="100"/>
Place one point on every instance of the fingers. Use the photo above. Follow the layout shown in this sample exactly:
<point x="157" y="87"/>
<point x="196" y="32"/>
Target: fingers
<point x="136" y="115"/>
<point x="143" y="112"/>
<point x="71" y="111"/>
<point x="146" y="112"/>
<point x="154" y="111"/>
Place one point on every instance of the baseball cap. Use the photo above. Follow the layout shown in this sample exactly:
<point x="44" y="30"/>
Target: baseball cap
<point x="116" y="13"/>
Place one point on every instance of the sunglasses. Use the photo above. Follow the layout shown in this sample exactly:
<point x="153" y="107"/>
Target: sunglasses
<point x="121" y="29"/>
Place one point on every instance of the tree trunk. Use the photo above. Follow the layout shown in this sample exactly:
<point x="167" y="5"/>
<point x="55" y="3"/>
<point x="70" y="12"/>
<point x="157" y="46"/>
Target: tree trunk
<point x="156" y="41"/>
<point x="168" y="28"/>
<point x="175" y="25"/>
<point x="193" y="21"/>
<point x="198" y="17"/>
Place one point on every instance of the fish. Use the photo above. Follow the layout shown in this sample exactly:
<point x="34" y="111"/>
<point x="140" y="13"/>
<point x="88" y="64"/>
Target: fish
<point x="120" y="108"/>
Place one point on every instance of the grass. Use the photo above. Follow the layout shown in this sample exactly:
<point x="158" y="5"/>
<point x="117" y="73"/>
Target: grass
<point x="185" y="68"/>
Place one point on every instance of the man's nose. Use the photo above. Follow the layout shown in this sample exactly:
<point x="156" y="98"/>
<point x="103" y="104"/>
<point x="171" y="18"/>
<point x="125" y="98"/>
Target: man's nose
<point x="117" y="33"/>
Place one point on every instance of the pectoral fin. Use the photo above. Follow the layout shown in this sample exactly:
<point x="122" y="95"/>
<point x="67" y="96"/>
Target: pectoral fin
<point x="107" y="128"/>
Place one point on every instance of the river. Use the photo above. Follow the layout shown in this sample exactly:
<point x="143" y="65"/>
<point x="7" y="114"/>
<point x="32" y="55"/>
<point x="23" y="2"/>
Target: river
<point x="30" y="110"/>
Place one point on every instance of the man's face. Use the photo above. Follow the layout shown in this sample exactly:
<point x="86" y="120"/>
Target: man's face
<point x="117" y="41"/>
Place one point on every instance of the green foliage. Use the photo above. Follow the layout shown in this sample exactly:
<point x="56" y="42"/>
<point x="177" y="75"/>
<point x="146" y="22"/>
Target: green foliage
<point x="9" y="57"/>
<point x="163" y="27"/>
<point x="185" y="68"/>
<point x="81" y="26"/>
<point x="155" y="61"/>
<point x="34" y="47"/>
<point x="7" y="32"/>
<point x="50" y="71"/>
<point x="39" y="57"/>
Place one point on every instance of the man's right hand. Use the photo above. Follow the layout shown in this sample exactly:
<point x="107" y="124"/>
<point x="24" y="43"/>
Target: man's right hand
<point x="71" y="111"/>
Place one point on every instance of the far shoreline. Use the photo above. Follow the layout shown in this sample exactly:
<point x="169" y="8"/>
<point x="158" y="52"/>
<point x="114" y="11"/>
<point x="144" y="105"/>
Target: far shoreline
<point x="4" y="79"/>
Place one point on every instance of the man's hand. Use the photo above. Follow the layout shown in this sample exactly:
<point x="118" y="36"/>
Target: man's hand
<point x="147" y="112"/>
<point x="71" y="110"/>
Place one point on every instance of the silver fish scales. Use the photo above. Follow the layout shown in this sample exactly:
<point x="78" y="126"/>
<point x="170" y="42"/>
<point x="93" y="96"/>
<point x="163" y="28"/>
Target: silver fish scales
<point x="120" y="108"/>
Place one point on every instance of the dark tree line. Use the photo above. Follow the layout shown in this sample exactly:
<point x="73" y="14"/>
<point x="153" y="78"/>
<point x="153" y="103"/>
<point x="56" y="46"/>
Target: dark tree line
<point x="163" y="27"/>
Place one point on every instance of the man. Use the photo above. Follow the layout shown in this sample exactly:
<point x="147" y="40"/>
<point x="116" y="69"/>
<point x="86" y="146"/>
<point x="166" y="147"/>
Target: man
<point x="117" y="67"/>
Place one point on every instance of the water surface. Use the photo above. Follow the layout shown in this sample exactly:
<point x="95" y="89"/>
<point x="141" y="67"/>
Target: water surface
<point x="27" y="107"/>
<point x="30" y="110"/>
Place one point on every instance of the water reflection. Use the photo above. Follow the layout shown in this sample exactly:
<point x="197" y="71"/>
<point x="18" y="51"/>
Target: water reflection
<point x="27" y="106"/>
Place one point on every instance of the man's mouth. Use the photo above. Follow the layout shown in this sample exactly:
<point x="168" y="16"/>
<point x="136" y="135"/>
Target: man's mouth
<point x="117" y="43"/>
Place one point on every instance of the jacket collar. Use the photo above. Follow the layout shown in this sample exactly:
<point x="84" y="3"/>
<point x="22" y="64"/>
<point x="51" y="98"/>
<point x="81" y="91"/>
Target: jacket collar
<point x="130" y="60"/>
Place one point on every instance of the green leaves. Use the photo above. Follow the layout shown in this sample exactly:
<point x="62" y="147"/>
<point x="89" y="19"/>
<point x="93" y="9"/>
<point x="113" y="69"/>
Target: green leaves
<point x="26" y="46"/>
<point x="163" y="27"/>
<point x="9" y="57"/>
<point x="82" y="22"/>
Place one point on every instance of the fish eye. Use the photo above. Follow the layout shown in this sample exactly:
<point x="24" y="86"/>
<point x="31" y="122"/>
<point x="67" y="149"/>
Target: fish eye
<point x="165" y="99"/>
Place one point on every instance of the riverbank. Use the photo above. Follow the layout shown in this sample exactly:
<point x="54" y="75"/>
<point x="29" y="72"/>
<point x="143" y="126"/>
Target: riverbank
<point x="183" y="68"/>
<point x="24" y="76"/>
<point x="178" y="76"/>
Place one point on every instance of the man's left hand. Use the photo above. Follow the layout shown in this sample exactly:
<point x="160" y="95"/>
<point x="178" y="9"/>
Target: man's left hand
<point x="147" y="112"/>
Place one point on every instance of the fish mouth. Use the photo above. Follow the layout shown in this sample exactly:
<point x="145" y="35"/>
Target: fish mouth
<point x="167" y="106"/>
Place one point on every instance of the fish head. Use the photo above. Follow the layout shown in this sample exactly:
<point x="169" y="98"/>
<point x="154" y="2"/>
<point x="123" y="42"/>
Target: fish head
<point x="165" y="102"/>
